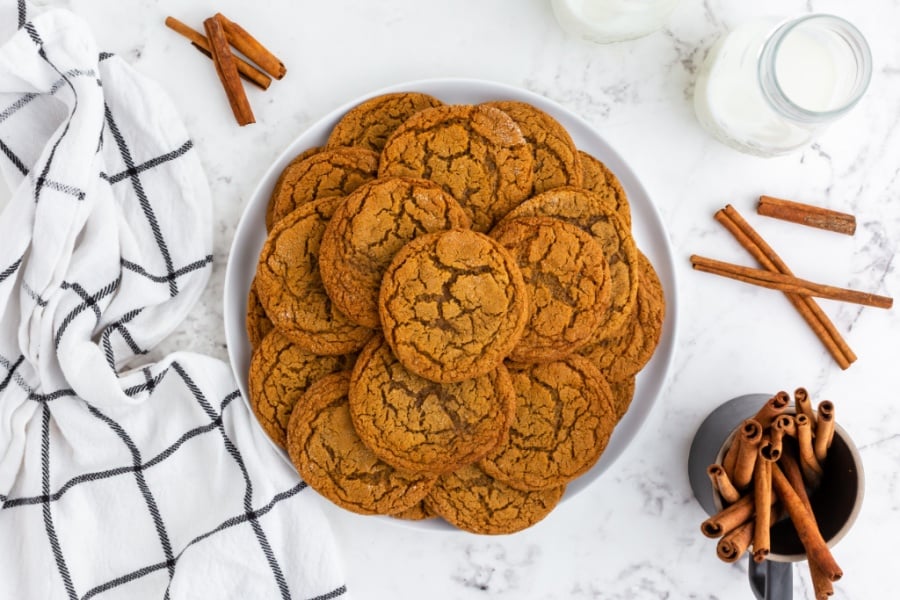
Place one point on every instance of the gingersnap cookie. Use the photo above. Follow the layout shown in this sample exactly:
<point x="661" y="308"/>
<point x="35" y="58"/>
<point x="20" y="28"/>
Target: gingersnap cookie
<point x="452" y="305"/>
<point x="368" y="229"/>
<point x="418" y="425"/>
<point x="565" y="415"/>
<point x="599" y="179"/>
<point x="280" y="373"/>
<point x="290" y="287"/>
<point x="332" y="459"/>
<point x="623" y="394"/>
<point x="474" y="501"/>
<point x="419" y="512"/>
<point x="556" y="160"/>
<point x="257" y="323"/>
<point x="270" y="207"/>
<point x="591" y="213"/>
<point x="624" y="354"/>
<point x="369" y="124"/>
<point x="568" y="282"/>
<point x="476" y="153"/>
<point x="331" y="172"/>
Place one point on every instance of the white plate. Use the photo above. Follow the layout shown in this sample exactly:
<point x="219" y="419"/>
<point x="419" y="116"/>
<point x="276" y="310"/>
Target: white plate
<point x="647" y="228"/>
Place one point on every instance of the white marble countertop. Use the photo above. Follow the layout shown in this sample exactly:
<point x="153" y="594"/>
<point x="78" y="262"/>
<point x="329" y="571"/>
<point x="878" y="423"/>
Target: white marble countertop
<point x="635" y="532"/>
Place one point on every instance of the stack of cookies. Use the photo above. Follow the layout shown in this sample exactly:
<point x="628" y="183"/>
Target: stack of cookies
<point x="448" y="313"/>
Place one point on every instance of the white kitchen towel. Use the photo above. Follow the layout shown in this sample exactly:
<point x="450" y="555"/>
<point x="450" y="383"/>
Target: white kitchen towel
<point x="122" y="478"/>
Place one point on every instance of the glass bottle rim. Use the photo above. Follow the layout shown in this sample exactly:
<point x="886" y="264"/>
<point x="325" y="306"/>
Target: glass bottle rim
<point x="775" y="94"/>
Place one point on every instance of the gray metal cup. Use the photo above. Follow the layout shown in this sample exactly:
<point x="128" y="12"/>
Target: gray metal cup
<point x="836" y="502"/>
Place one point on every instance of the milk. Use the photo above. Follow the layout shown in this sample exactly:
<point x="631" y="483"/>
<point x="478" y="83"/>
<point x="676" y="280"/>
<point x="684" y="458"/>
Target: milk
<point x="768" y="87"/>
<point x="612" y="20"/>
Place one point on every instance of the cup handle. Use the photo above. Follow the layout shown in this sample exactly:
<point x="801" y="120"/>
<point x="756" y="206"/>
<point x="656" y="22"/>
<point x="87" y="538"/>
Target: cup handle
<point x="771" y="580"/>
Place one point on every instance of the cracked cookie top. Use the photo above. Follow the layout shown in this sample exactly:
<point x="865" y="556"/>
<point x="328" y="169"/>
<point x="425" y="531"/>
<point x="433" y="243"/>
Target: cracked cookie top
<point x="331" y="172"/>
<point x="368" y="229"/>
<point x="331" y="458"/>
<point x="290" y="287"/>
<point x="419" y="425"/>
<point x="600" y="180"/>
<point x="476" y="153"/>
<point x="280" y="373"/>
<point x="591" y="212"/>
<point x="257" y="323"/>
<point x="452" y="305"/>
<point x="474" y="501"/>
<point x="568" y="283"/>
<point x="564" y="417"/>
<point x="623" y="394"/>
<point x="289" y="170"/>
<point x="621" y="356"/>
<point x="369" y="124"/>
<point x="556" y="160"/>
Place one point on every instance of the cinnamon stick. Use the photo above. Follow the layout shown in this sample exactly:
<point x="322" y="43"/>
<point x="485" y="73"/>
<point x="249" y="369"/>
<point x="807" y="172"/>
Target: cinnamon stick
<point x="788" y="283"/>
<point x="811" y="312"/>
<point x="762" y="500"/>
<point x="734" y="543"/>
<point x="199" y="41"/>
<point x="821" y="584"/>
<point x="768" y="449"/>
<point x="227" y="71"/>
<point x="824" y="429"/>
<point x="785" y="424"/>
<point x="807" y="214"/>
<point x="730" y="458"/>
<point x="776" y="439"/>
<point x="728" y="518"/>
<point x="776" y="405"/>
<point x="750" y="436"/>
<point x="804" y="404"/>
<point x="250" y="46"/>
<point x="812" y="470"/>
<point x="722" y="484"/>
<point x="816" y="549"/>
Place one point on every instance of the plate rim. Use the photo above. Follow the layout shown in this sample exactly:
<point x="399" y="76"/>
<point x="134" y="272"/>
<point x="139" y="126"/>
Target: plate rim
<point x="663" y="258"/>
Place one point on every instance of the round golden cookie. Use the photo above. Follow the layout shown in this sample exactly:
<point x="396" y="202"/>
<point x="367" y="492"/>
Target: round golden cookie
<point x="418" y="425"/>
<point x="556" y="160"/>
<point x="624" y="354"/>
<point x="331" y="172"/>
<point x="290" y="287"/>
<point x="257" y="323"/>
<point x="474" y="501"/>
<point x="452" y="305"/>
<point x="280" y="373"/>
<point x="591" y="213"/>
<point x="419" y="512"/>
<point x="568" y="283"/>
<point x="623" y="392"/>
<point x="599" y="179"/>
<point x="279" y="183"/>
<point x="565" y="415"/>
<point x="369" y="228"/>
<point x="333" y="460"/>
<point x="476" y="153"/>
<point x="369" y="124"/>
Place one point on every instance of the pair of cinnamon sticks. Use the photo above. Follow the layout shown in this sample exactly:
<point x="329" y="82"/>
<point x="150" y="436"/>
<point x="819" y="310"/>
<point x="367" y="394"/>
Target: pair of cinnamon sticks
<point x="773" y="458"/>
<point x="775" y="274"/>
<point x="221" y="35"/>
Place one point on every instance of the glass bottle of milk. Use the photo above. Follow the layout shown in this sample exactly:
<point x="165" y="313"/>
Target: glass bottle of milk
<point x="605" y="21"/>
<point x="769" y="86"/>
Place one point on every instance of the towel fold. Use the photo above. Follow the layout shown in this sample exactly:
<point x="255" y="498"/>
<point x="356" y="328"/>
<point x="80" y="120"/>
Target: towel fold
<point x="121" y="478"/>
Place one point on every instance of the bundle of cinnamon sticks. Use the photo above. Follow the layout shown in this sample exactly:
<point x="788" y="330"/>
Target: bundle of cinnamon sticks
<point x="774" y="461"/>
<point x="221" y="35"/>
<point x="776" y="275"/>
